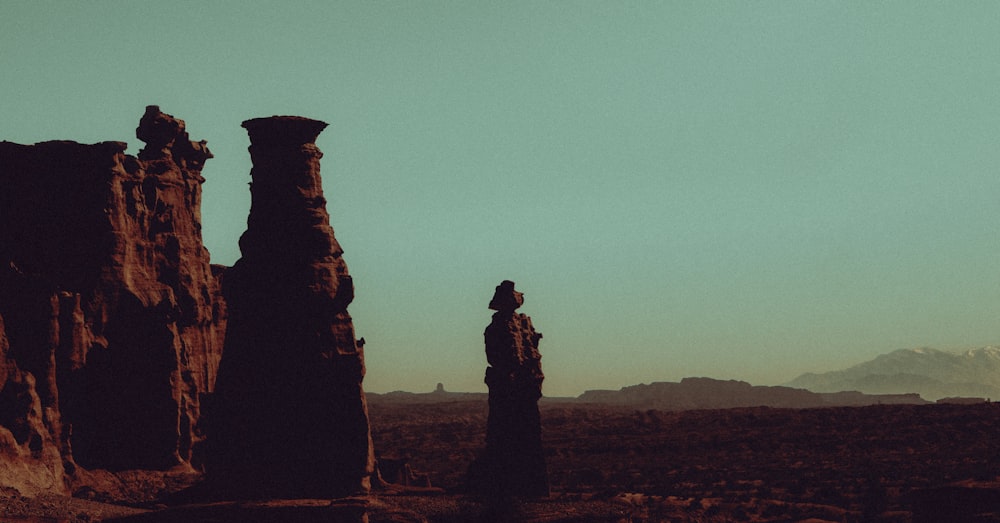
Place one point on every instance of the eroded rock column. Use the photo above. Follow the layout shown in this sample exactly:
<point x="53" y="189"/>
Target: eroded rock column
<point x="513" y="463"/>
<point x="289" y="417"/>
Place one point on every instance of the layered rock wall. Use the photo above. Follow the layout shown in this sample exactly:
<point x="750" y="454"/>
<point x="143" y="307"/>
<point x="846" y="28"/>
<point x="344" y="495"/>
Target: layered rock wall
<point x="109" y="301"/>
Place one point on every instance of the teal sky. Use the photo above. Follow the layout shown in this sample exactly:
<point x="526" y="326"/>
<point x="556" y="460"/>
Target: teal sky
<point x="745" y="190"/>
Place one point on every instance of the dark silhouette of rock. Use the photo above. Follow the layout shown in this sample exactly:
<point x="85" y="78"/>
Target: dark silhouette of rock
<point x="513" y="463"/>
<point x="109" y="301"/>
<point x="289" y="417"/>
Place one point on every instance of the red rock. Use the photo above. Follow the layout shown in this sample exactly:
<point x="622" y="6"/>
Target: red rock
<point x="30" y="457"/>
<point x="513" y="463"/>
<point x="289" y="416"/>
<point x="109" y="300"/>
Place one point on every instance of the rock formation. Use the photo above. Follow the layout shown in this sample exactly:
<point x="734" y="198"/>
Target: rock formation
<point x="513" y="463"/>
<point x="109" y="304"/>
<point x="289" y="416"/>
<point x="30" y="460"/>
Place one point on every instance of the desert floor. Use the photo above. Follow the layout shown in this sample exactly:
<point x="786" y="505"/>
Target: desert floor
<point x="619" y="464"/>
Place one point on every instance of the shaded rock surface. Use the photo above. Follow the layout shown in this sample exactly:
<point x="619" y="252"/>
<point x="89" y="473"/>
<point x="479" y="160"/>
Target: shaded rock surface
<point x="513" y="463"/>
<point x="111" y="311"/>
<point x="289" y="417"/>
<point x="30" y="461"/>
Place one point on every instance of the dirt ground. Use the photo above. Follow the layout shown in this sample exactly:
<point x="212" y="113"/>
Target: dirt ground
<point x="847" y="464"/>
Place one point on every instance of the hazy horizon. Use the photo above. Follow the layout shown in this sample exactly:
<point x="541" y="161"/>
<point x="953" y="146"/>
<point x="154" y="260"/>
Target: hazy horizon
<point x="732" y="190"/>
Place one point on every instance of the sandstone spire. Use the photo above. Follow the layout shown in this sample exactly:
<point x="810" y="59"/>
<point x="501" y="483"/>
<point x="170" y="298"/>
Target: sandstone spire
<point x="513" y="463"/>
<point x="289" y="418"/>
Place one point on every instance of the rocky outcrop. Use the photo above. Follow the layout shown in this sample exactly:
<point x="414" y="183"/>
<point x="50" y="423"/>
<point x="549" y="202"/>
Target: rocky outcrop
<point x="513" y="463"/>
<point x="110" y="305"/>
<point x="30" y="460"/>
<point x="289" y="417"/>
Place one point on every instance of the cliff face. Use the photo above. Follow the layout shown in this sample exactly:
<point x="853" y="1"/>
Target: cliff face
<point x="111" y="308"/>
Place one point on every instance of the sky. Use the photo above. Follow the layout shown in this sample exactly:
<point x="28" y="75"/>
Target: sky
<point x="737" y="190"/>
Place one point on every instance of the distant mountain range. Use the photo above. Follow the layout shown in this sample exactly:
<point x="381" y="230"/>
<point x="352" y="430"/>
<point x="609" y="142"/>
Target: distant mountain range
<point x="932" y="373"/>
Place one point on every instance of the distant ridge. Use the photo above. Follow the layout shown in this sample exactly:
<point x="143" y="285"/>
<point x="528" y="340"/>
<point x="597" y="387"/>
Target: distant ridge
<point x="708" y="393"/>
<point x="438" y="395"/>
<point x="688" y="394"/>
<point x="932" y="373"/>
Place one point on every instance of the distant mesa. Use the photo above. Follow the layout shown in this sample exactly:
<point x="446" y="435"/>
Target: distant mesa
<point x="962" y="401"/>
<point x="707" y="393"/>
<point x="435" y="396"/>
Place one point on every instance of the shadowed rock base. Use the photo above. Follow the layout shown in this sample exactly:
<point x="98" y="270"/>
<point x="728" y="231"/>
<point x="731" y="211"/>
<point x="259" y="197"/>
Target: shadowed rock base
<point x="347" y="510"/>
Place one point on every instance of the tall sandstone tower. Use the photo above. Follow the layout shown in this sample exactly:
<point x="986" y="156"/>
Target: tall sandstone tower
<point x="289" y="418"/>
<point x="513" y="463"/>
